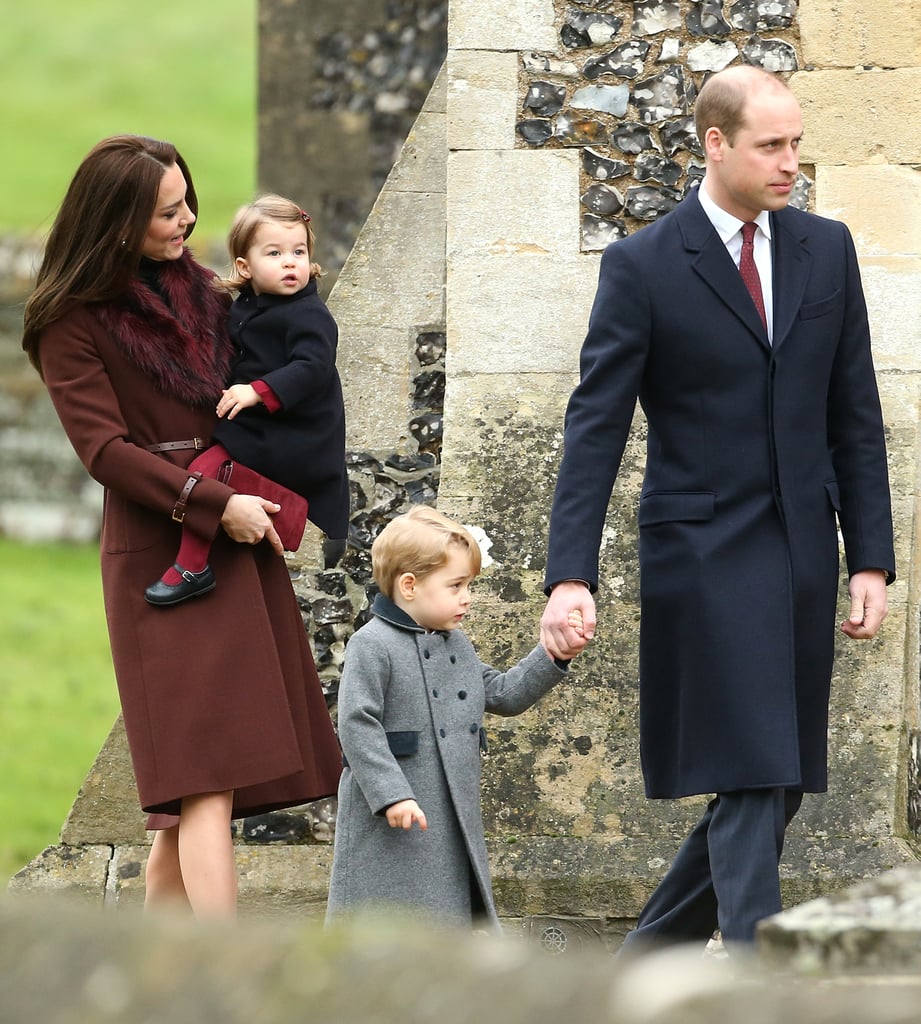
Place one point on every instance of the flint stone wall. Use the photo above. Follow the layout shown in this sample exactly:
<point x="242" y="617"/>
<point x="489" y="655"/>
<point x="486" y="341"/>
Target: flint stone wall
<point x="339" y="88"/>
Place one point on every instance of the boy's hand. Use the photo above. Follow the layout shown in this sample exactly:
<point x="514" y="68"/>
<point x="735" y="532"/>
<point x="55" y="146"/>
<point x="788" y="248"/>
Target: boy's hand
<point x="403" y="813"/>
<point x="574" y="619"/>
<point x="235" y="398"/>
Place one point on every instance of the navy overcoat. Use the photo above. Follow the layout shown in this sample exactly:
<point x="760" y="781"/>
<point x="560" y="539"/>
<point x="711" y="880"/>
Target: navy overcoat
<point x="756" y="453"/>
<point x="290" y="343"/>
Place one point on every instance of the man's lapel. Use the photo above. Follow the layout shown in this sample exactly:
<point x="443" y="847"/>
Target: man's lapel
<point x="711" y="261"/>
<point x="792" y="263"/>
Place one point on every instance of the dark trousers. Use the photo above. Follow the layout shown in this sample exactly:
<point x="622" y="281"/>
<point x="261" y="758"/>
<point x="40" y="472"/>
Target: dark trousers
<point x="725" y="875"/>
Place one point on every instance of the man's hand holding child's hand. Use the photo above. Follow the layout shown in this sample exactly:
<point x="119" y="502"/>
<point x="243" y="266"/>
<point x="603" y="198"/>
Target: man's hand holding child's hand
<point x="403" y="813"/>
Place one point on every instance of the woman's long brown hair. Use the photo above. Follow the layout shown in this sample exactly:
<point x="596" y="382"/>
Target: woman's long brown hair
<point x="94" y="247"/>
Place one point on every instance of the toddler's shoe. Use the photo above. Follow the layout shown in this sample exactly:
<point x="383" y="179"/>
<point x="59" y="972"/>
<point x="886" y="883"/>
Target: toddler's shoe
<point x="192" y="584"/>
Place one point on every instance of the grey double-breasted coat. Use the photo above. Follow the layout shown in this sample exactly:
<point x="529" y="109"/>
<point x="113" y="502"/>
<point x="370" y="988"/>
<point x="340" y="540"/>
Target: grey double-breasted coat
<point x="411" y="707"/>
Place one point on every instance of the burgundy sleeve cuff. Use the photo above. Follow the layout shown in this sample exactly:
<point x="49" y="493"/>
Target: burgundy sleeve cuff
<point x="268" y="396"/>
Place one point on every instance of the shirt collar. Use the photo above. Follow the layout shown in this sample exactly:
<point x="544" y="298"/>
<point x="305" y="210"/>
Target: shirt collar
<point x="726" y="224"/>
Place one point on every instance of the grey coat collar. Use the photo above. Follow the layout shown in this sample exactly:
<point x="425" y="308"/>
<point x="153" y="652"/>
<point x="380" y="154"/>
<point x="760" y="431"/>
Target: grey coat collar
<point x="386" y="610"/>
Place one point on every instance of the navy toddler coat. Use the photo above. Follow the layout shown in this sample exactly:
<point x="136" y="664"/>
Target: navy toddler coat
<point x="755" y="454"/>
<point x="290" y="343"/>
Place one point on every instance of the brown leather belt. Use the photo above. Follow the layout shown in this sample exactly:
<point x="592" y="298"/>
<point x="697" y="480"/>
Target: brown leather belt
<point x="198" y="444"/>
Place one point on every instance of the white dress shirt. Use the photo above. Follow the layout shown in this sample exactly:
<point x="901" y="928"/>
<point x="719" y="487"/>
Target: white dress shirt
<point x="729" y="229"/>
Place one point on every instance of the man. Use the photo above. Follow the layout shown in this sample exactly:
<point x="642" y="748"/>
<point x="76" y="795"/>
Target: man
<point x="764" y="429"/>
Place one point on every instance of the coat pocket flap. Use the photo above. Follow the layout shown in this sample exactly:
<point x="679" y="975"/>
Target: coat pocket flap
<point x="834" y="496"/>
<point x="403" y="744"/>
<point x="815" y="309"/>
<point x="676" y="506"/>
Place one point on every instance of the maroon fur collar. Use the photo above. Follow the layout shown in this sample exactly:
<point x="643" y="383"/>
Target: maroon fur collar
<point x="182" y="343"/>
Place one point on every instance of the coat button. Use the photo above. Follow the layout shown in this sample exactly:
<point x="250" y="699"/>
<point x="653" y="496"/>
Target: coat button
<point x="474" y="728"/>
<point x="453" y="659"/>
<point x="434" y="693"/>
<point x="442" y="733"/>
<point x="425" y="653"/>
<point x="462" y="694"/>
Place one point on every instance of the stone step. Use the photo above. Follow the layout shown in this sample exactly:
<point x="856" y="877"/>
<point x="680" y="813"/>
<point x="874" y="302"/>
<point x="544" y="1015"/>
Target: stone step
<point x="871" y="927"/>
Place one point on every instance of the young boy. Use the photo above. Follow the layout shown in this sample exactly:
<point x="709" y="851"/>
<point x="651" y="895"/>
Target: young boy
<point x="411" y="705"/>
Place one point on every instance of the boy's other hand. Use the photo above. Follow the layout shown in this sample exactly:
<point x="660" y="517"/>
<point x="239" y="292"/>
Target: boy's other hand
<point x="404" y="813"/>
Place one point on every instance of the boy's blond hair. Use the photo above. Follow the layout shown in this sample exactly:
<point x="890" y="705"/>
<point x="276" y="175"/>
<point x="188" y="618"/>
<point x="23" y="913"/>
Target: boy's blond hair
<point x="418" y="542"/>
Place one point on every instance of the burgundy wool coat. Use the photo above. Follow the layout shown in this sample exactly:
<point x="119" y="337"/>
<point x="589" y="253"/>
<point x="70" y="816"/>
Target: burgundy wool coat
<point x="219" y="692"/>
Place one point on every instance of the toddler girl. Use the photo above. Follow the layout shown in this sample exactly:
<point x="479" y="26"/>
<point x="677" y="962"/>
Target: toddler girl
<point x="281" y="415"/>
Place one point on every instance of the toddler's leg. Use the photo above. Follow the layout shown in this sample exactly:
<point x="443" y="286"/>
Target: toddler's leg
<point x="190" y="575"/>
<point x="333" y="550"/>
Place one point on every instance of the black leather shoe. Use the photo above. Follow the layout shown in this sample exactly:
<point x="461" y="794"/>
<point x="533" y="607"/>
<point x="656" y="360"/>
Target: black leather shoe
<point x="193" y="584"/>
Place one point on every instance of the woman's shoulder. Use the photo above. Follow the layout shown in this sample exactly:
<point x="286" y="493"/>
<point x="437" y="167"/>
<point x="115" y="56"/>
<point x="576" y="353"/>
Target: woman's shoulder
<point x="75" y="317"/>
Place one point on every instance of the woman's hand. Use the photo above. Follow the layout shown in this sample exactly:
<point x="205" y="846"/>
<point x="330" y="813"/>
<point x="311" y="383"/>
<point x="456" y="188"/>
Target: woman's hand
<point x="247" y="519"/>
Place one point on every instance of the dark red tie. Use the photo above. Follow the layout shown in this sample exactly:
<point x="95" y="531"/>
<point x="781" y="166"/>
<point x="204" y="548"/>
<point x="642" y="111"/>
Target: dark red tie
<point x="749" y="271"/>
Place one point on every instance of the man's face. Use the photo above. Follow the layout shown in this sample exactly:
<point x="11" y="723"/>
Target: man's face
<point x="757" y="172"/>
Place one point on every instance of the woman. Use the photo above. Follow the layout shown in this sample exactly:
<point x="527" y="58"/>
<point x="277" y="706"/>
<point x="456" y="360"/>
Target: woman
<point x="222" y="705"/>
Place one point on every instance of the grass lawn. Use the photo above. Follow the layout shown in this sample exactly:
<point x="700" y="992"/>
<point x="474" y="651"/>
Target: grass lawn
<point x="73" y="73"/>
<point x="57" y="690"/>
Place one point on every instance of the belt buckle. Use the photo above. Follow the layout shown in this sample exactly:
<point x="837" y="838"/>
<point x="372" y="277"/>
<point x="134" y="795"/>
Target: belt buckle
<point x="199" y="444"/>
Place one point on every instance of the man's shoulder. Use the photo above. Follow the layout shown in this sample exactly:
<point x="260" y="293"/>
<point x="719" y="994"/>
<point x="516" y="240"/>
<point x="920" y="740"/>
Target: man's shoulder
<point x="687" y="210"/>
<point x="653" y="242"/>
<point x="806" y="224"/>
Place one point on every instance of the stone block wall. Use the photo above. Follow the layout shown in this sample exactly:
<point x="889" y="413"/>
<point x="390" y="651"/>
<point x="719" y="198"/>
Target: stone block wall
<point x="46" y="492"/>
<point x="537" y="183"/>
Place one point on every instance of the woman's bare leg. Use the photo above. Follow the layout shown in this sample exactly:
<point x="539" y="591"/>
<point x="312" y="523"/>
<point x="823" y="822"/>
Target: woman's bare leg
<point x="209" y="871"/>
<point x="163" y="877"/>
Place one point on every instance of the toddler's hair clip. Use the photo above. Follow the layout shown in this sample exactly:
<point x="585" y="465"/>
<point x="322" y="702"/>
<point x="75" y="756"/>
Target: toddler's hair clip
<point x="305" y="216"/>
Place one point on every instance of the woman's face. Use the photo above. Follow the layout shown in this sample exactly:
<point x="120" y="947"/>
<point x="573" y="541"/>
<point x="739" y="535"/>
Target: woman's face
<point x="171" y="219"/>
